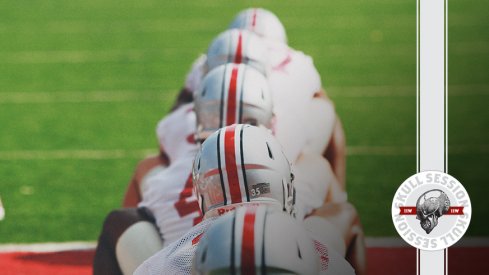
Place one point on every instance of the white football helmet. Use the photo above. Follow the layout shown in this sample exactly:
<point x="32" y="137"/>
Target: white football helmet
<point x="231" y="94"/>
<point x="262" y="22"/>
<point x="256" y="240"/>
<point x="238" y="46"/>
<point x="242" y="164"/>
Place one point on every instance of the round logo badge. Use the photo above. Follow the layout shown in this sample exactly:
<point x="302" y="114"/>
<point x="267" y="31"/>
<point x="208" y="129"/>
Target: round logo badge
<point x="431" y="210"/>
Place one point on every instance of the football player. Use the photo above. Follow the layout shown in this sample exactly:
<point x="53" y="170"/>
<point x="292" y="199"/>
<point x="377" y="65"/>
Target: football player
<point x="311" y="190"/>
<point x="299" y="98"/>
<point x="168" y="206"/>
<point x="247" y="48"/>
<point x="256" y="240"/>
<point x="261" y="240"/>
<point x="237" y="166"/>
<point x="318" y="184"/>
<point x="166" y="133"/>
<point x="307" y="121"/>
<point x="221" y="100"/>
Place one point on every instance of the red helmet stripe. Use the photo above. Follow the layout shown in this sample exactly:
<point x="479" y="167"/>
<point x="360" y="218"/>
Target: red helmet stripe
<point x="248" y="244"/>
<point x="253" y="22"/>
<point x="231" y="168"/>
<point x="231" y="106"/>
<point x="238" y="56"/>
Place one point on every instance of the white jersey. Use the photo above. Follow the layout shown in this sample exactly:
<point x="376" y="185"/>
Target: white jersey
<point x="178" y="256"/>
<point x="293" y="80"/>
<point x="168" y="193"/>
<point x="313" y="177"/>
<point x="320" y="123"/>
<point x="176" y="131"/>
<point x="169" y="196"/>
<point x="144" y="186"/>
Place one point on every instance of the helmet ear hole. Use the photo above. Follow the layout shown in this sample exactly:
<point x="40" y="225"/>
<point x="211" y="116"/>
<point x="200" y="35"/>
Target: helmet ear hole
<point x="294" y="195"/>
<point x="299" y="254"/>
<point x="269" y="151"/>
<point x="284" y="196"/>
<point x="204" y="255"/>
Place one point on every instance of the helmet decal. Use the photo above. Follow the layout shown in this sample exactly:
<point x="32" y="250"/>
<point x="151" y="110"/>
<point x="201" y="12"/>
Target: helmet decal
<point x="231" y="102"/>
<point x="262" y="22"/>
<point x="238" y="46"/>
<point x="230" y="106"/>
<point x="253" y="20"/>
<point x="238" y="56"/>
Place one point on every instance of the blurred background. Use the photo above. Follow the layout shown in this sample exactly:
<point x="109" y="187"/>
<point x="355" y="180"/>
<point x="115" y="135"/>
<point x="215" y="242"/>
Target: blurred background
<point x="83" y="84"/>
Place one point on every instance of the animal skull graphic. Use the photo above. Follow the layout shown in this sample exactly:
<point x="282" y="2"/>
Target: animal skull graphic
<point x="430" y="206"/>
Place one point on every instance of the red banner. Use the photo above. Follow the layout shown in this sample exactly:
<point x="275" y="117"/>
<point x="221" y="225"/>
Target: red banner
<point x="455" y="210"/>
<point x="408" y="210"/>
<point x="411" y="210"/>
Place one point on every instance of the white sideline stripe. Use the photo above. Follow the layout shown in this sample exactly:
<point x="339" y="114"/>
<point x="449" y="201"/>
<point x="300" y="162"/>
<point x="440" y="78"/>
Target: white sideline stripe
<point x="79" y="97"/>
<point x="137" y="153"/>
<point x="128" y="95"/>
<point x="371" y="242"/>
<point x="47" y="247"/>
<point x="74" y="154"/>
<point x="46" y="57"/>
<point x="394" y="242"/>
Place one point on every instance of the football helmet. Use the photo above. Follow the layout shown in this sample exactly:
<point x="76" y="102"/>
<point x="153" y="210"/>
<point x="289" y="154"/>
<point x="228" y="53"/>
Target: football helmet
<point x="261" y="21"/>
<point x="242" y="164"/>
<point x="238" y="46"/>
<point x="230" y="94"/>
<point x="256" y="240"/>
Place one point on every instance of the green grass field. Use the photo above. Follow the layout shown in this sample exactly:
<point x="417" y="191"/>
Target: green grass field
<point x="82" y="85"/>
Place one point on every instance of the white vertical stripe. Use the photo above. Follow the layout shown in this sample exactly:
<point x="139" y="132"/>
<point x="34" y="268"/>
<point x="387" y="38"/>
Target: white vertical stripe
<point x="417" y="91"/>
<point x="223" y="165"/>
<point x="239" y="88"/>
<point x="431" y="106"/>
<point x="225" y="93"/>
<point x="239" y="170"/>
<point x="446" y="93"/>
<point x="432" y="85"/>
